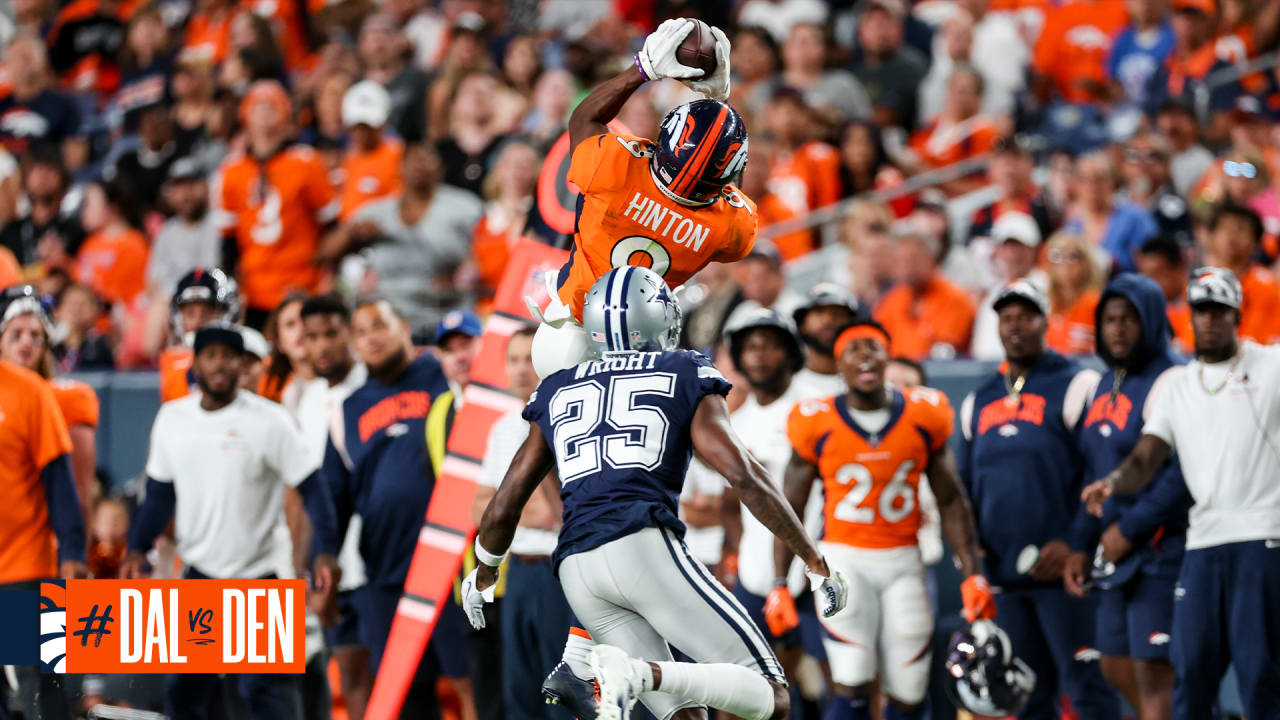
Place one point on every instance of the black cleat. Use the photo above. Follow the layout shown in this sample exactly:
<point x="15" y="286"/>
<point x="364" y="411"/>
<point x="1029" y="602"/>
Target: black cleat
<point x="576" y="695"/>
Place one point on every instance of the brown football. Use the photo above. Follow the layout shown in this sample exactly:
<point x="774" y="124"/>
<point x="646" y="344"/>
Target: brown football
<point x="698" y="49"/>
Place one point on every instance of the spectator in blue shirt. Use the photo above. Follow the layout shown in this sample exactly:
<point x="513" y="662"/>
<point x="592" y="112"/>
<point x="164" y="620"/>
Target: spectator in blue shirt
<point x="1140" y="51"/>
<point x="1116" y="226"/>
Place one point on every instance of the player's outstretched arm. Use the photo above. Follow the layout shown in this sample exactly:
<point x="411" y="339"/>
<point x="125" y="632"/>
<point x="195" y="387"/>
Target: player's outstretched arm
<point x="1131" y="475"/>
<point x="498" y="524"/>
<point x="797" y="483"/>
<point x="957" y="515"/>
<point x="591" y="115"/>
<point x="716" y="443"/>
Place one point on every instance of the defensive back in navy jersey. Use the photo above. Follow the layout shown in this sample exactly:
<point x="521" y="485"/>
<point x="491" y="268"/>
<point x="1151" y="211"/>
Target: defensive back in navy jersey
<point x="619" y="428"/>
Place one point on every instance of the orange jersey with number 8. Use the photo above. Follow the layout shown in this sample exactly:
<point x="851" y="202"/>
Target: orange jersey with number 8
<point x="624" y="218"/>
<point x="871" y="479"/>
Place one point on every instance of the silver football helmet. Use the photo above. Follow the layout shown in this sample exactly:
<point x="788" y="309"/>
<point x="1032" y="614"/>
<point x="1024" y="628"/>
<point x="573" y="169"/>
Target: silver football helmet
<point x="631" y="308"/>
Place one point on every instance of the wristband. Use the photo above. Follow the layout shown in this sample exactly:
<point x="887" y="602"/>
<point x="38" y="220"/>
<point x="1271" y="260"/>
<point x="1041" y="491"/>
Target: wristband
<point x="640" y="67"/>
<point x="486" y="557"/>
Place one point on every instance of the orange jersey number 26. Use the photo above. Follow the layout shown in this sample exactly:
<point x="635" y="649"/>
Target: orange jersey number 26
<point x="870" y="479"/>
<point x="625" y="219"/>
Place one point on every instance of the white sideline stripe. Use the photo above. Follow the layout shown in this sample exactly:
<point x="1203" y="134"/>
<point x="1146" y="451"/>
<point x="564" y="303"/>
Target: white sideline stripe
<point x="465" y="469"/>
<point x="419" y="611"/>
<point x="442" y="540"/>
<point x="493" y="399"/>
<point x="502" y="325"/>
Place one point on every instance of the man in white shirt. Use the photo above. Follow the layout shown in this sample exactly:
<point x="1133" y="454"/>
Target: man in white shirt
<point x="535" y="615"/>
<point x="1221" y="414"/>
<point x="826" y="308"/>
<point x="326" y="336"/>
<point x="218" y="465"/>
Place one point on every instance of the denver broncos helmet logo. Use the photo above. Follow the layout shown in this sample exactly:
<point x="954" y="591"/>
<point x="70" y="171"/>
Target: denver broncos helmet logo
<point x="53" y="627"/>
<point x="733" y="160"/>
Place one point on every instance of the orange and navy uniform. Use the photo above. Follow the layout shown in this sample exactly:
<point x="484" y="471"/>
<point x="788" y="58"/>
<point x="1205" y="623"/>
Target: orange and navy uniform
<point x="941" y="315"/>
<point x="798" y="182"/>
<point x="1260" y="309"/>
<point x="1071" y="329"/>
<point x="84" y="40"/>
<point x="624" y="218"/>
<point x="870" y="480"/>
<point x="114" y="263"/>
<point x="276" y="209"/>
<point x="77" y="401"/>
<point x="939" y="144"/>
<point x="33" y="435"/>
<point x="175" y="373"/>
<point x="368" y="176"/>
<point x="1232" y="48"/>
<point x="1072" y="49"/>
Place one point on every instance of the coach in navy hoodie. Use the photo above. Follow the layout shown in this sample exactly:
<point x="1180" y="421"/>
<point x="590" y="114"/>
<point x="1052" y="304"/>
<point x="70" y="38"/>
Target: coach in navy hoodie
<point x="1145" y="533"/>
<point x="1021" y="463"/>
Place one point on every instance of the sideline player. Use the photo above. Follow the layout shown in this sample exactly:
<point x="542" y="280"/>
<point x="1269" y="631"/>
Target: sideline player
<point x="826" y="309"/>
<point x="218" y="466"/>
<point x="1022" y="467"/>
<point x="870" y="446"/>
<point x="1135" y="601"/>
<point x="25" y="339"/>
<point x="620" y="492"/>
<point x="200" y="297"/>
<point x="667" y="205"/>
<point x="1220" y="413"/>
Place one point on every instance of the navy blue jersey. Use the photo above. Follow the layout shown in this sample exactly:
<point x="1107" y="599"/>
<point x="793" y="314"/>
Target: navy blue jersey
<point x="1155" y="520"/>
<point x="620" y="431"/>
<point x="376" y="463"/>
<point x="1021" y="463"/>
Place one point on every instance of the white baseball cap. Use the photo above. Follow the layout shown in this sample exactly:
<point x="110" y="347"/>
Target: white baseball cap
<point x="366" y="103"/>
<point x="1017" y="226"/>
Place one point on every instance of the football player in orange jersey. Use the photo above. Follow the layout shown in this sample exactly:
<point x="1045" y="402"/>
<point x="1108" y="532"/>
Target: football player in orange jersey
<point x="870" y="447"/>
<point x="201" y="297"/>
<point x="666" y="205"/>
<point x="26" y="329"/>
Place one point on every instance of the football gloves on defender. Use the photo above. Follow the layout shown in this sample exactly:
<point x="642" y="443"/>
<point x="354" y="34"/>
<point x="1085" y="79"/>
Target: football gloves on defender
<point x="473" y="599"/>
<point x="832" y="592"/>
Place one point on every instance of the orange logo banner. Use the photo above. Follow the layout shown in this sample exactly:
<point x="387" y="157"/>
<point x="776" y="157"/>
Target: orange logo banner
<point x="185" y="626"/>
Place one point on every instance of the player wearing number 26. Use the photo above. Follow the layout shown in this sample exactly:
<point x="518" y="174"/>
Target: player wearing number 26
<point x="667" y="205"/>
<point x="870" y="447"/>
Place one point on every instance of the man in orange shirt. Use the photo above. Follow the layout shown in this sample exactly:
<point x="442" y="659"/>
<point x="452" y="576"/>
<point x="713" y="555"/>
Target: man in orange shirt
<point x="113" y="259"/>
<point x="1071" y="53"/>
<point x="1232" y="243"/>
<point x="371" y="168"/>
<point x="42" y="532"/>
<point x="927" y="315"/>
<point x="274" y="202"/>
<point x="201" y="297"/>
<point x="804" y="174"/>
<point x="1161" y="258"/>
<point x="958" y="132"/>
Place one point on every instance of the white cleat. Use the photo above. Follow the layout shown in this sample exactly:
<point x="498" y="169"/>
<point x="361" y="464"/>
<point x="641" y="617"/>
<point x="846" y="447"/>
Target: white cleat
<point x="619" y="679"/>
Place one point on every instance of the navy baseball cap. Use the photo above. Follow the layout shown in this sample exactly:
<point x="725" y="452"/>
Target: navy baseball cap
<point x="1022" y="290"/>
<point x="458" y="321"/>
<point x="218" y="333"/>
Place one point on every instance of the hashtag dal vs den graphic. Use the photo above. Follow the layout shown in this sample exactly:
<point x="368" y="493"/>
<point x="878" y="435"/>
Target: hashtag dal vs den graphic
<point x="172" y="626"/>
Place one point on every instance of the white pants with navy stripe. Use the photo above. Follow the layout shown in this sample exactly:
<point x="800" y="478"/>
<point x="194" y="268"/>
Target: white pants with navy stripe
<point x="644" y="591"/>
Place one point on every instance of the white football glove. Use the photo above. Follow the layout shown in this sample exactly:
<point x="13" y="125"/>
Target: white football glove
<point x="832" y="591"/>
<point x="657" y="59"/>
<point x="715" y="87"/>
<point x="473" y="600"/>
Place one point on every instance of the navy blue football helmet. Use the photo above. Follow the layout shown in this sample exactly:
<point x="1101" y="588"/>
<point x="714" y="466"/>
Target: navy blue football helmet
<point x="22" y="300"/>
<point x="207" y="285"/>
<point x="982" y="676"/>
<point x="702" y="146"/>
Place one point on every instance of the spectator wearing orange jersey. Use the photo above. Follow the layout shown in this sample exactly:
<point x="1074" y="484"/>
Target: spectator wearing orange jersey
<point x="25" y="329"/>
<point x="804" y="174"/>
<point x="1071" y="52"/>
<point x="371" y="168"/>
<point x="959" y="132"/>
<point x="274" y="201"/>
<point x="1232" y="243"/>
<point x="509" y="189"/>
<point x="1194" y="55"/>
<point x="1162" y="259"/>
<point x="208" y="37"/>
<point x="927" y="315"/>
<point x="113" y="259"/>
<point x="1075" y="283"/>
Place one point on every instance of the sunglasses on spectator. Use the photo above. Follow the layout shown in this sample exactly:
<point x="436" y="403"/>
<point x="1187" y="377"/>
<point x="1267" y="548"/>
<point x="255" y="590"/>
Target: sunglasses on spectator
<point x="1239" y="169"/>
<point x="1145" y="156"/>
<point x="1058" y="256"/>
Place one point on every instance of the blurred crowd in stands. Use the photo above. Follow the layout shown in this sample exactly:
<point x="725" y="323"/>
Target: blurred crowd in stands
<point x="395" y="147"/>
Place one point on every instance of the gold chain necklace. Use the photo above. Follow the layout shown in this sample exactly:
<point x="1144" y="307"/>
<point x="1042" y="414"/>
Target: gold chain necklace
<point x="1231" y="373"/>
<point x="1015" y="389"/>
